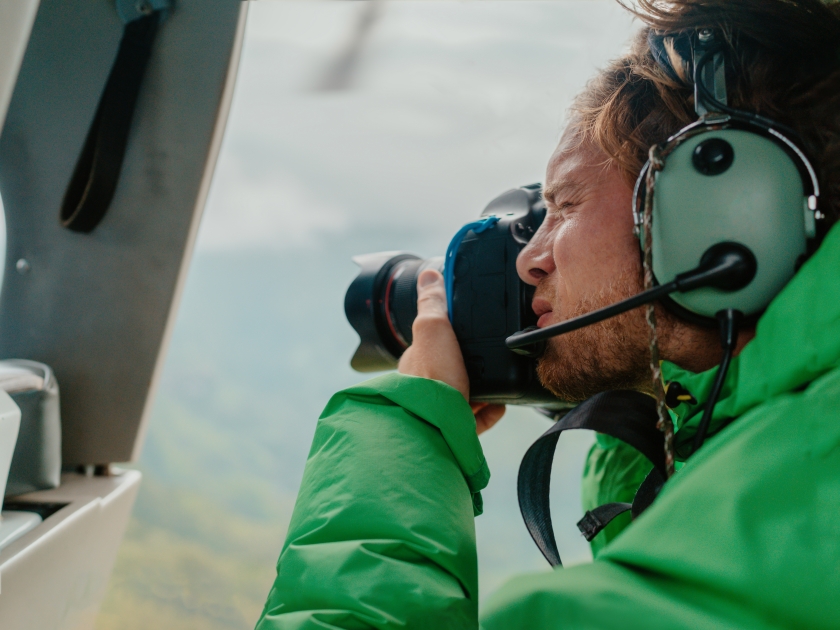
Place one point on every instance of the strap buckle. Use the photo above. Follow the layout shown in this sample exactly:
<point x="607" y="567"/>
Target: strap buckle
<point x="594" y="521"/>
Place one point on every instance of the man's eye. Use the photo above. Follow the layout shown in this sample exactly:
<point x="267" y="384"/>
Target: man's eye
<point x="557" y="212"/>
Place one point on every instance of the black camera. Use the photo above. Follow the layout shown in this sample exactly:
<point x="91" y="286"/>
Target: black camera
<point x="487" y="302"/>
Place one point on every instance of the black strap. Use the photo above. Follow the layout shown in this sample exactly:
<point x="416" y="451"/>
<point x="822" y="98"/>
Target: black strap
<point x="97" y="171"/>
<point x="627" y="415"/>
<point x="647" y="492"/>
<point x="595" y="520"/>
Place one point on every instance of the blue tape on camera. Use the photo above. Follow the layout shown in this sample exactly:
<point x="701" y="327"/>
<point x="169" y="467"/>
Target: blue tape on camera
<point x="449" y="262"/>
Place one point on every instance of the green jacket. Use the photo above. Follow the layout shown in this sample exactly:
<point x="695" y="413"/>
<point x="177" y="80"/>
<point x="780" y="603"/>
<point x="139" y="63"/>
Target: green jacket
<point x="745" y="535"/>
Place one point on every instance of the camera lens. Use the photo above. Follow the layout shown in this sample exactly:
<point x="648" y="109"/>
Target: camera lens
<point x="381" y="305"/>
<point x="401" y="300"/>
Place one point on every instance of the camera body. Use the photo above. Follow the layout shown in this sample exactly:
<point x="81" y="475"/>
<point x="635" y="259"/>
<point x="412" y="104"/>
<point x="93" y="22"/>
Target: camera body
<point x="489" y="302"/>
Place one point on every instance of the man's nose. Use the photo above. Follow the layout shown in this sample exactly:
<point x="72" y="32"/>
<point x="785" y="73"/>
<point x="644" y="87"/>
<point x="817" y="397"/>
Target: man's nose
<point x="536" y="260"/>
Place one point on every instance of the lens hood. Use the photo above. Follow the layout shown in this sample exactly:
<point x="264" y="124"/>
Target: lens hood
<point x="364" y="306"/>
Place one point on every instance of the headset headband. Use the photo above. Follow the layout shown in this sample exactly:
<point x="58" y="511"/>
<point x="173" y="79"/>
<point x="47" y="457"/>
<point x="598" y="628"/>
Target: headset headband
<point x="702" y="55"/>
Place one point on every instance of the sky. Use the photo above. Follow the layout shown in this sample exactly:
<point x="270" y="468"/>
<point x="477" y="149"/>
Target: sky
<point x="454" y="103"/>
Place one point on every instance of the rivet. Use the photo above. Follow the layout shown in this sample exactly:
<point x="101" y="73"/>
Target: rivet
<point x="22" y="266"/>
<point x="706" y="35"/>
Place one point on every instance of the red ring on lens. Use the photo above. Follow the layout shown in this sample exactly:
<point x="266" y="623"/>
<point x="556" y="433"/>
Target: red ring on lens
<point x="391" y="326"/>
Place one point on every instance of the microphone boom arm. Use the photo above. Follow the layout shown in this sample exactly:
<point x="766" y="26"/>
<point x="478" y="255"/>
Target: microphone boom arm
<point x="727" y="266"/>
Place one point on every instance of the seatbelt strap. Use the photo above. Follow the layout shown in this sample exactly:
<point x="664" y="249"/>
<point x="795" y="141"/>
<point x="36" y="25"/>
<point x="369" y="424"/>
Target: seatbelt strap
<point x="97" y="171"/>
<point x="627" y="415"/>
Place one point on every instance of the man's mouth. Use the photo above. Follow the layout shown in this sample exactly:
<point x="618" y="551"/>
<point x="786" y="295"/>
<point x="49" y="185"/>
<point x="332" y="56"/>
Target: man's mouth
<point x="542" y="309"/>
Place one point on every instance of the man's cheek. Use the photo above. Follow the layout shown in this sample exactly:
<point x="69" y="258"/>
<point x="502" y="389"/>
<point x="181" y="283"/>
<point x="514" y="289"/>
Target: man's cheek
<point x="571" y="287"/>
<point x="566" y="302"/>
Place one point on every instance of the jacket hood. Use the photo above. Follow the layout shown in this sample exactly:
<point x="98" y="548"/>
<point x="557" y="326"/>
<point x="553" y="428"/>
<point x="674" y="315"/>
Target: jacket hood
<point x="797" y="340"/>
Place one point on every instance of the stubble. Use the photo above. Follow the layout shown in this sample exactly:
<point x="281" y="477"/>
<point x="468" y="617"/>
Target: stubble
<point x="612" y="354"/>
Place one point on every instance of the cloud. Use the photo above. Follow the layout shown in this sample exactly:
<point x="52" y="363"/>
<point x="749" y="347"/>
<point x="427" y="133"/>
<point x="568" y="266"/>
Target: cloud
<point x="263" y="211"/>
<point x="455" y="103"/>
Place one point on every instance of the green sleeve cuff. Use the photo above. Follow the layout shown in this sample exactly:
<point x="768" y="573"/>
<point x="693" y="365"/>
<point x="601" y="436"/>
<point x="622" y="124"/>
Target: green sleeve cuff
<point x="383" y="530"/>
<point x="443" y="407"/>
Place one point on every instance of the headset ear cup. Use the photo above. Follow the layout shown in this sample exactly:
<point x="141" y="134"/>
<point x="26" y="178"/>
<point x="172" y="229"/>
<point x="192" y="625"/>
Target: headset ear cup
<point x="732" y="183"/>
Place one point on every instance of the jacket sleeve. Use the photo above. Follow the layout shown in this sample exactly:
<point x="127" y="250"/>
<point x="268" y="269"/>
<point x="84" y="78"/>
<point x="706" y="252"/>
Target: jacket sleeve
<point x="382" y="533"/>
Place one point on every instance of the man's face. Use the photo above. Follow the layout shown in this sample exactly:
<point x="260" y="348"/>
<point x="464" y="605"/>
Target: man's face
<point x="583" y="257"/>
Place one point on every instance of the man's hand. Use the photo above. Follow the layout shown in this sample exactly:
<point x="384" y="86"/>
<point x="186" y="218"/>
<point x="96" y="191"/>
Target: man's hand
<point x="434" y="352"/>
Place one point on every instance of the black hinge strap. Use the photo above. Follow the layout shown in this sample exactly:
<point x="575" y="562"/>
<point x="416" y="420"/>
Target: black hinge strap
<point x="97" y="171"/>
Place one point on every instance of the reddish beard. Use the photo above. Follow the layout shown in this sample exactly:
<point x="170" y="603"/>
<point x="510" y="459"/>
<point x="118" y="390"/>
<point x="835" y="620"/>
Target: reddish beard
<point x="613" y="354"/>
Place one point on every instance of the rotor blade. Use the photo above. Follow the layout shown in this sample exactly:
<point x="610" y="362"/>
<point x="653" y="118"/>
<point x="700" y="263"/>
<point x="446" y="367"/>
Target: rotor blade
<point x="341" y="71"/>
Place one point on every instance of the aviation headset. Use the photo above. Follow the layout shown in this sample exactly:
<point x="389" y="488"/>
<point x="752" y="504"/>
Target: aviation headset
<point x="731" y="177"/>
<point x="735" y="210"/>
<point x="726" y="209"/>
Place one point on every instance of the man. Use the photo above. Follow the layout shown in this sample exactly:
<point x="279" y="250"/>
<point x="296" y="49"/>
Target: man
<point x="746" y="534"/>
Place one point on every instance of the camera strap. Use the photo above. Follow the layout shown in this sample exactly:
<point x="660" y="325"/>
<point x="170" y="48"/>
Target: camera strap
<point x="629" y="416"/>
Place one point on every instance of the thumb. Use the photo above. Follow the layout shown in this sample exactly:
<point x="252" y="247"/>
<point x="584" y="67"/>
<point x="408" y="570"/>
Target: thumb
<point x="431" y="294"/>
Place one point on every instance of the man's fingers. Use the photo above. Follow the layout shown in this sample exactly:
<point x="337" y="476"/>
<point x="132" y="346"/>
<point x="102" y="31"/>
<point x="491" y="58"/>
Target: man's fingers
<point x="486" y="415"/>
<point x="431" y="294"/>
<point x="434" y="351"/>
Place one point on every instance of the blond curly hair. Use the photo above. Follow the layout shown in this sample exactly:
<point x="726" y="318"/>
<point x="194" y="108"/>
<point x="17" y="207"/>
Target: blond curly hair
<point x="783" y="62"/>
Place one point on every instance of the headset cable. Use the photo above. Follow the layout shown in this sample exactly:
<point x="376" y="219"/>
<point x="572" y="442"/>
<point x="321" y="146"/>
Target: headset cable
<point x="729" y="320"/>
